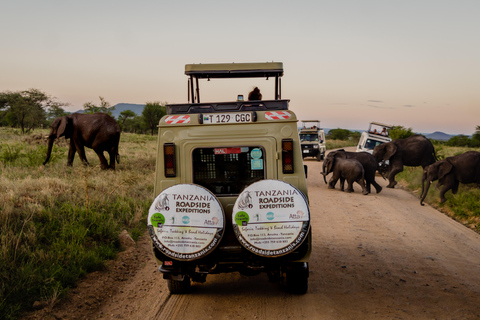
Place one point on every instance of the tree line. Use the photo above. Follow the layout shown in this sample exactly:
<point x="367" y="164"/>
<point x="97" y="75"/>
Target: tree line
<point x="400" y="132"/>
<point x="32" y="109"/>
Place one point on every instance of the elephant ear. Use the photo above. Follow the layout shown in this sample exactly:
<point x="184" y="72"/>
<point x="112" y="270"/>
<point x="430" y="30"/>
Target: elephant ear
<point x="444" y="168"/>
<point x="62" y="127"/>
<point x="330" y="164"/>
<point x="390" y="150"/>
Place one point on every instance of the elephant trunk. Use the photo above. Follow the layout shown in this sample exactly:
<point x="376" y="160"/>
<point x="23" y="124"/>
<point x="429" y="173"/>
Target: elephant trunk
<point x="324" y="173"/>
<point x="51" y="139"/>
<point x="424" y="189"/>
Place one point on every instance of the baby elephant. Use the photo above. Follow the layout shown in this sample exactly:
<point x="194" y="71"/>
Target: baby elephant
<point x="344" y="169"/>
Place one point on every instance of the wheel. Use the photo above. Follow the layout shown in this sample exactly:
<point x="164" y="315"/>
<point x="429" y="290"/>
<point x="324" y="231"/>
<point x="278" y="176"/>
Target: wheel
<point x="179" y="286"/>
<point x="319" y="156"/>
<point x="297" y="279"/>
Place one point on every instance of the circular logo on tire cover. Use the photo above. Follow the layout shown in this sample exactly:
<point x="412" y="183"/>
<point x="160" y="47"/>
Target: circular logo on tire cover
<point x="271" y="218"/>
<point x="186" y="222"/>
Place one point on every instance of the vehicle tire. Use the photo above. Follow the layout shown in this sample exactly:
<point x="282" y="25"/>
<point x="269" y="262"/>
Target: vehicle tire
<point x="179" y="286"/>
<point x="296" y="279"/>
<point x="319" y="156"/>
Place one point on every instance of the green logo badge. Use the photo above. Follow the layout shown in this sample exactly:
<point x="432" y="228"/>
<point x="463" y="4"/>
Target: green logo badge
<point x="157" y="220"/>
<point x="242" y="218"/>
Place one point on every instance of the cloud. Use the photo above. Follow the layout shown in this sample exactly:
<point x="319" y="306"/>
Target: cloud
<point x="408" y="106"/>
<point x="374" y="101"/>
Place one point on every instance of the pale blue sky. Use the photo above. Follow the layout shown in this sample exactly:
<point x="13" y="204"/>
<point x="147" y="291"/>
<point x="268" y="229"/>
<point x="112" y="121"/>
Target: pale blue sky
<point x="414" y="63"/>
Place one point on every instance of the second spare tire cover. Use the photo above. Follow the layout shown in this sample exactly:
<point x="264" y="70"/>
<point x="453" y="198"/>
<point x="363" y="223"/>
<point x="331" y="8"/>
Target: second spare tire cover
<point x="186" y="222"/>
<point x="271" y="218"/>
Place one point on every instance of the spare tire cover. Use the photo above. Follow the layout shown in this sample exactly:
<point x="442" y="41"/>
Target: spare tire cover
<point x="186" y="222"/>
<point x="271" y="218"/>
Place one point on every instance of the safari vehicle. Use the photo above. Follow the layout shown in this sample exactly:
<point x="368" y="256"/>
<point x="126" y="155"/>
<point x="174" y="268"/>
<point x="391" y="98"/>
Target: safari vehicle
<point x="376" y="134"/>
<point x="230" y="185"/>
<point x="312" y="139"/>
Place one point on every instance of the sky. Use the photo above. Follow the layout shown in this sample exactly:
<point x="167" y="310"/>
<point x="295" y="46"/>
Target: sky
<point x="414" y="63"/>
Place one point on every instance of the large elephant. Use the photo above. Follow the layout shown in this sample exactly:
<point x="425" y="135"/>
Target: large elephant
<point x="97" y="131"/>
<point x="344" y="169"/>
<point x="370" y="166"/>
<point x="413" y="151"/>
<point x="464" y="168"/>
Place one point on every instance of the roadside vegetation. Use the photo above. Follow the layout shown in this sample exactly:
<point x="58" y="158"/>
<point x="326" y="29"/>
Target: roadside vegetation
<point x="341" y="138"/>
<point x="58" y="223"/>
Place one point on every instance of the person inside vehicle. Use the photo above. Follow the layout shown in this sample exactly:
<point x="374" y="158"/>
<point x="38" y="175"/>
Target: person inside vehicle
<point x="255" y="94"/>
<point x="384" y="132"/>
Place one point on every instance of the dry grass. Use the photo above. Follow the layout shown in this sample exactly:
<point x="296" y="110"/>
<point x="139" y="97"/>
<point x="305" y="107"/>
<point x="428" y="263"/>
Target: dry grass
<point x="55" y="216"/>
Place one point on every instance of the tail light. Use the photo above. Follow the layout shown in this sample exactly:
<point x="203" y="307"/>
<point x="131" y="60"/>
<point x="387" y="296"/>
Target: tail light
<point x="287" y="155"/>
<point x="169" y="159"/>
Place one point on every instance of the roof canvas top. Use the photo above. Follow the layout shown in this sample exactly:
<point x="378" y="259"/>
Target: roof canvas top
<point x="235" y="70"/>
<point x="381" y="124"/>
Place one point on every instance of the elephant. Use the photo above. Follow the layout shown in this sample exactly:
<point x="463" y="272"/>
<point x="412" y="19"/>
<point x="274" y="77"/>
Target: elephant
<point x="344" y="169"/>
<point x="97" y="131"/>
<point x="413" y="151"/>
<point x="449" y="172"/>
<point x="370" y="166"/>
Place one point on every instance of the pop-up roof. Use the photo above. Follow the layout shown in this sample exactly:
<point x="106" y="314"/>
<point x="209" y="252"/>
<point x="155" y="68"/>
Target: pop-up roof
<point x="232" y="70"/>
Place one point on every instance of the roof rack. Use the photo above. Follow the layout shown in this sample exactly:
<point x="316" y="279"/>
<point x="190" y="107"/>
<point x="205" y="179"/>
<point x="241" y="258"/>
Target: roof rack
<point x="227" y="106"/>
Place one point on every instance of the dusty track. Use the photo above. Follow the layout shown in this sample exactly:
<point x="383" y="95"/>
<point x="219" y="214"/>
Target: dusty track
<point x="380" y="256"/>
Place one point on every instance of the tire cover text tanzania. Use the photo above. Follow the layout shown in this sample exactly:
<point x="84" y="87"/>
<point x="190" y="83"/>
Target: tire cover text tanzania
<point x="186" y="222"/>
<point x="271" y="218"/>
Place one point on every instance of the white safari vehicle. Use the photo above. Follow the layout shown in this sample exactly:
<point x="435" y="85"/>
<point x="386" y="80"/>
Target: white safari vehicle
<point x="312" y="139"/>
<point x="230" y="186"/>
<point x="376" y="134"/>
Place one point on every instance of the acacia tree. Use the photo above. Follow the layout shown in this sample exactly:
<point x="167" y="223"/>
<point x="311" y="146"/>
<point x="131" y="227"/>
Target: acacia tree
<point x="104" y="107"/>
<point x="400" y="132"/>
<point x="152" y="113"/>
<point x="124" y="116"/>
<point x="26" y="109"/>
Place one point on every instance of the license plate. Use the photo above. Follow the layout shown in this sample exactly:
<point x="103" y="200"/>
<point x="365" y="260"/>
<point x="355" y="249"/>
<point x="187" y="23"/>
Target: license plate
<point x="305" y="151"/>
<point x="215" y="118"/>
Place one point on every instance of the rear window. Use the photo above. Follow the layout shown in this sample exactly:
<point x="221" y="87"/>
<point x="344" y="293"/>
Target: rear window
<point x="228" y="170"/>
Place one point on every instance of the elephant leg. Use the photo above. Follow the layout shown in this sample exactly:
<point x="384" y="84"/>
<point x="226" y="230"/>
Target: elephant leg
<point x="81" y="154"/>
<point x="456" y="183"/>
<point x="368" y="186"/>
<point x="342" y="184"/>
<point x="103" y="160"/>
<point x="361" y="182"/>
<point x="391" y="176"/>
<point x="113" y="156"/>
<point x="444" y="190"/>
<point x="350" y="186"/>
<point x="71" y="153"/>
<point x="378" y="187"/>
<point x="332" y="182"/>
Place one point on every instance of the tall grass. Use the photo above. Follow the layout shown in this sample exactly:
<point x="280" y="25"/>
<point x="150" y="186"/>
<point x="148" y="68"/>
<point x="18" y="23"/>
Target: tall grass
<point x="336" y="144"/>
<point x="463" y="207"/>
<point x="58" y="223"/>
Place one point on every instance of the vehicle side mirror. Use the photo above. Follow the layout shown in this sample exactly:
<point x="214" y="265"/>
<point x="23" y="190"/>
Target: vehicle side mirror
<point x="305" y="168"/>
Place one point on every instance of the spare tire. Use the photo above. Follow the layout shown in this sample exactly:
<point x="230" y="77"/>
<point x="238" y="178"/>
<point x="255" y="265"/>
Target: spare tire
<point x="271" y="218"/>
<point x="186" y="222"/>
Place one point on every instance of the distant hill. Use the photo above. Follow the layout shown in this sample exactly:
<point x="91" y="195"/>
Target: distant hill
<point x="137" y="108"/>
<point x="440" y="136"/>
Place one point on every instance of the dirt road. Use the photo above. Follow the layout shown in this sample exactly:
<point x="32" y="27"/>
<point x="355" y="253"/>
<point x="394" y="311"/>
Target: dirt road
<point x="380" y="256"/>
